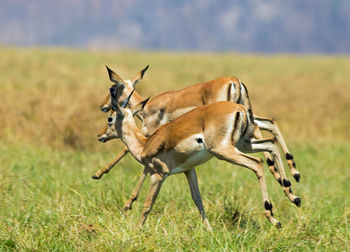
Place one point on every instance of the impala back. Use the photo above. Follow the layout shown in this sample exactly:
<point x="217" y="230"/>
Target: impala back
<point x="170" y="105"/>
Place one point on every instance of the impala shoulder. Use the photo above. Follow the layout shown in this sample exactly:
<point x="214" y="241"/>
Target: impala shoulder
<point x="153" y="149"/>
<point x="156" y="142"/>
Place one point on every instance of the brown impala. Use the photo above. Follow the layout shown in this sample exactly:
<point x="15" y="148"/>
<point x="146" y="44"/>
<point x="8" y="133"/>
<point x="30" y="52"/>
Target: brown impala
<point x="169" y="105"/>
<point x="222" y="130"/>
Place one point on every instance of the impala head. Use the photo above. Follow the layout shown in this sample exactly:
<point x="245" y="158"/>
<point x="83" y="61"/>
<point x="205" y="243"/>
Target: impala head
<point x="108" y="132"/>
<point x="121" y="111"/>
<point x="124" y="87"/>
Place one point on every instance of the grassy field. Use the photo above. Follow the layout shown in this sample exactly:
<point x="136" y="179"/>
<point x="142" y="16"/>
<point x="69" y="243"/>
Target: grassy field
<point x="48" y="152"/>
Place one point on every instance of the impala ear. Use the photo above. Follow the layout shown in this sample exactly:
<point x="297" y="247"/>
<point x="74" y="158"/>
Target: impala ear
<point x="114" y="77"/>
<point x="138" y="77"/>
<point x="140" y="106"/>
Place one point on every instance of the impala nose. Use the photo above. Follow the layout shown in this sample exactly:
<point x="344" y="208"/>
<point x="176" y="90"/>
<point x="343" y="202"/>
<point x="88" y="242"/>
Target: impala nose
<point x="101" y="139"/>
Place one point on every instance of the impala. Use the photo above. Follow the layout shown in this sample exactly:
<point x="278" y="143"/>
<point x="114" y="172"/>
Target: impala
<point x="106" y="106"/>
<point x="108" y="133"/>
<point x="169" y="105"/>
<point x="224" y="130"/>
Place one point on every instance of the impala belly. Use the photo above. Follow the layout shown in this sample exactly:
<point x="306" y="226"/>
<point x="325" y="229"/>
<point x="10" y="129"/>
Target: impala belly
<point x="189" y="153"/>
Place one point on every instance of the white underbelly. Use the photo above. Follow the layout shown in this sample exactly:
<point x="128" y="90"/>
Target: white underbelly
<point x="199" y="158"/>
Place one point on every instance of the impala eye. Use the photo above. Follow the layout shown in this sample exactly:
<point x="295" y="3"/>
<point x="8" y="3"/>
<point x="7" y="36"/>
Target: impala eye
<point x="110" y="119"/>
<point x="199" y="140"/>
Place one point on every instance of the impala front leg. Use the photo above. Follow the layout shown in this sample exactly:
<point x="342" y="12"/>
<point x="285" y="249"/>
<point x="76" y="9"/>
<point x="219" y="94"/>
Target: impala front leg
<point x="136" y="191"/>
<point x="156" y="183"/>
<point x="110" y="165"/>
<point x="196" y="195"/>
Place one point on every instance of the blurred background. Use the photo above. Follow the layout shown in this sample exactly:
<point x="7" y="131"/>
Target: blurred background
<point x="53" y="57"/>
<point x="292" y="55"/>
<point x="265" y="26"/>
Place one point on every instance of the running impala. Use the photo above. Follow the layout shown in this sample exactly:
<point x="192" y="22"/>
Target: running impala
<point x="224" y="130"/>
<point x="169" y="105"/>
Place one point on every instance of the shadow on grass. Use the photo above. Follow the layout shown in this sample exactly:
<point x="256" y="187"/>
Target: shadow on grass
<point x="7" y="245"/>
<point x="87" y="231"/>
<point x="235" y="217"/>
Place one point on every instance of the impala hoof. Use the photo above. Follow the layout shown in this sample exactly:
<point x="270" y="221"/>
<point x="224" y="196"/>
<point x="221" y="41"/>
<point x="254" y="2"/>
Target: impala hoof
<point x="127" y="208"/>
<point x="95" y="177"/>
<point x="280" y="181"/>
<point x="297" y="177"/>
<point x="278" y="225"/>
<point x="297" y="202"/>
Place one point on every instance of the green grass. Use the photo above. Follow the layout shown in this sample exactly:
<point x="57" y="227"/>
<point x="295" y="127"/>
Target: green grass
<point x="49" y="202"/>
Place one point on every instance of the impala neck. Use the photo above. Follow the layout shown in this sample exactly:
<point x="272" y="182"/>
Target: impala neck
<point x="131" y="135"/>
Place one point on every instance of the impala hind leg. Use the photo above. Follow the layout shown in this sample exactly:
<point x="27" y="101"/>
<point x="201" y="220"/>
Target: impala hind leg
<point x="271" y="126"/>
<point x="270" y="146"/>
<point x="136" y="191"/>
<point x="110" y="165"/>
<point x="196" y="195"/>
<point x="156" y="183"/>
<point x="234" y="156"/>
<point x="270" y="161"/>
